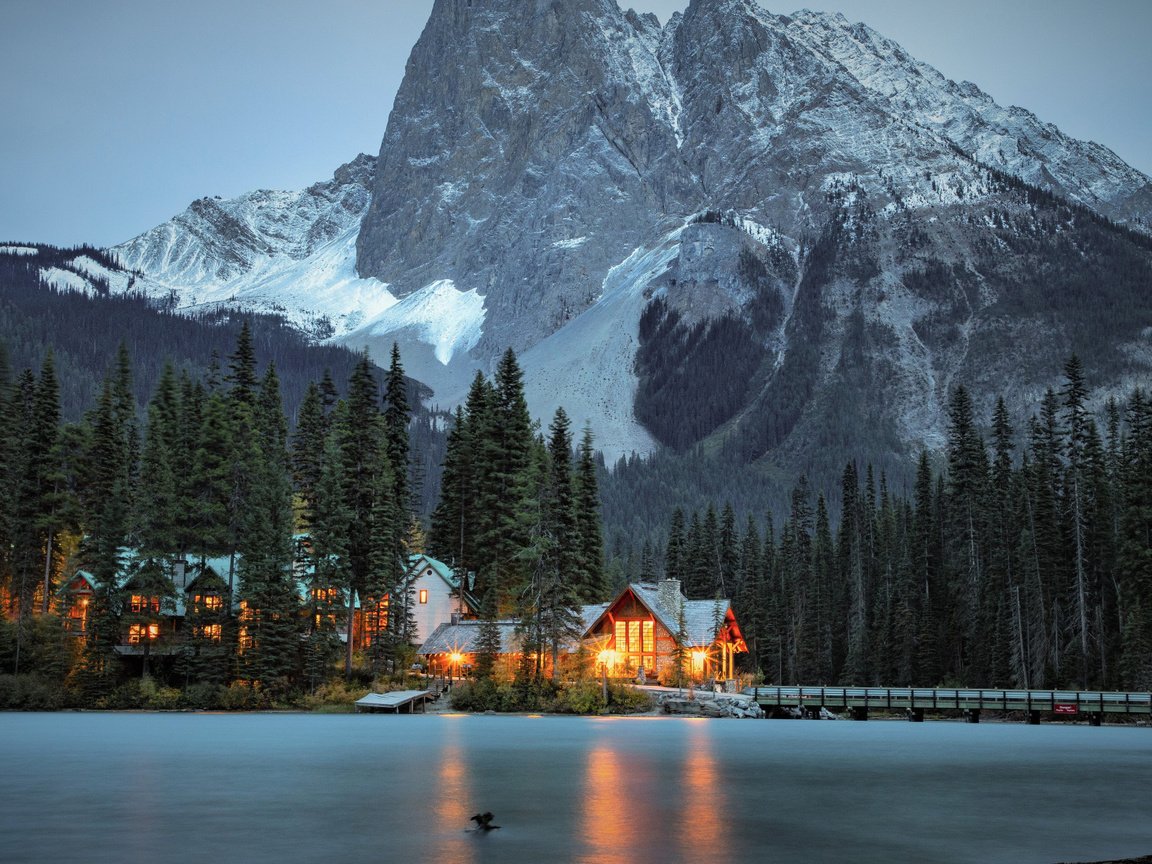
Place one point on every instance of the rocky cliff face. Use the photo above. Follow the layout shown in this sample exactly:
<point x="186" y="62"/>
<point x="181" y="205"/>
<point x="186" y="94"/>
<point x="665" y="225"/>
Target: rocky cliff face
<point x="780" y="226"/>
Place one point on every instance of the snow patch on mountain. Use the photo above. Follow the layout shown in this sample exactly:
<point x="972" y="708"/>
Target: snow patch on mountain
<point x="66" y="280"/>
<point x="449" y="320"/>
<point x="118" y="281"/>
<point x="588" y="366"/>
<point x="19" y="250"/>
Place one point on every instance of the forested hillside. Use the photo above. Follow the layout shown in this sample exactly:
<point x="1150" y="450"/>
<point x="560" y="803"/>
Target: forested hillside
<point x="85" y="329"/>
<point x="1022" y="562"/>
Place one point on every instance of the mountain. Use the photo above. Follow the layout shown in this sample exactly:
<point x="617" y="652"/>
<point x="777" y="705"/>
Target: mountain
<point x="779" y="236"/>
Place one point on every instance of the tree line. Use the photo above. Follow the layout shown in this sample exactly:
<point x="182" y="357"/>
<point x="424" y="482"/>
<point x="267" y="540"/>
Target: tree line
<point x="1020" y="561"/>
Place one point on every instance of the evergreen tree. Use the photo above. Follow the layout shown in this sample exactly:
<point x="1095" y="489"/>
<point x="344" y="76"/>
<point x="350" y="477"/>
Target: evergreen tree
<point x="675" y="554"/>
<point x="267" y="582"/>
<point x="591" y="586"/>
<point x="308" y="451"/>
<point x="397" y="418"/>
<point x="158" y="504"/>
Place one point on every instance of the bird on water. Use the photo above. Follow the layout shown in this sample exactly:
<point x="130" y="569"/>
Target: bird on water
<point x="484" y="822"/>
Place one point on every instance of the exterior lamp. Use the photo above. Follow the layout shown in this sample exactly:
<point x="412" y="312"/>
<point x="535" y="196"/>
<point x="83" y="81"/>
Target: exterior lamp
<point x="454" y="658"/>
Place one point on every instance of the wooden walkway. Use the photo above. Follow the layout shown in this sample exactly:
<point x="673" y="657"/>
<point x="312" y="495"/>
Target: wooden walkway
<point x="915" y="701"/>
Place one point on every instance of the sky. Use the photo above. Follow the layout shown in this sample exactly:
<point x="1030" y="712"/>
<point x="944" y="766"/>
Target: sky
<point x="116" y="114"/>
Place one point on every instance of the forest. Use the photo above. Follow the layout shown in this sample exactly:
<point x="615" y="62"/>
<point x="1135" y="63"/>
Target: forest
<point x="314" y="523"/>
<point x="1017" y="558"/>
<point x="1023" y="561"/>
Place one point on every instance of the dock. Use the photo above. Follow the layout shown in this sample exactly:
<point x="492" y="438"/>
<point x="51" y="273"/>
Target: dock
<point x="397" y="702"/>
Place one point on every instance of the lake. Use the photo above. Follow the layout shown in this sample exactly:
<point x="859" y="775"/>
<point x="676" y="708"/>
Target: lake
<point x="383" y="788"/>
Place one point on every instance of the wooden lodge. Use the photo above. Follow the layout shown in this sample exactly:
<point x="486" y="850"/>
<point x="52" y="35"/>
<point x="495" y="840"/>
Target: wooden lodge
<point x="638" y="631"/>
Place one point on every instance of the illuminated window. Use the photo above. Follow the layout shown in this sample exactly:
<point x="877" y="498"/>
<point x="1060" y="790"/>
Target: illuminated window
<point x="208" y="602"/>
<point x="142" y="603"/>
<point x="636" y="644"/>
<point x="137" y="633"/>
<point x="212" y="632"/>
<point x="244" y="639"/>
<point x="423" y="595"/>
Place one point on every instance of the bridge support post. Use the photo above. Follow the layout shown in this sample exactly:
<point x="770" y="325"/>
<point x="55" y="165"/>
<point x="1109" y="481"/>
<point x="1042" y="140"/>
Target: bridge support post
<point x="972" y="715"/>
<point x="915" y="715"/>
<point x="1033" y="718"/>
<point x="860" y="712"/>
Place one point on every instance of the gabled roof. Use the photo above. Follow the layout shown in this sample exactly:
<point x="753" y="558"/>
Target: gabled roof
<point x="420" y="564"/>
<point x="463" y="637"/>
<point x="79" y="574"/>
<point x="703" y="619"/>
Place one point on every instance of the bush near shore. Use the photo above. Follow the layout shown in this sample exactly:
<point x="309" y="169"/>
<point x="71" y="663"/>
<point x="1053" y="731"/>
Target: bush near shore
<point x="577" y="697"/>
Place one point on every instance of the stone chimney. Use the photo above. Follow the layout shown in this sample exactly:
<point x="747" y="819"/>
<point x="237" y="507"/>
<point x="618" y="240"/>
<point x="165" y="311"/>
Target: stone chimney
<point x="668" y="592"/>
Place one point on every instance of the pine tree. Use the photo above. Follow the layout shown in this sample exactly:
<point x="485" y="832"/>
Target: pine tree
<point x="362" y="449"/>
<point x="327" y="564"/>
<point x="588" y="523"/>
<point x="504" y="445"/>
<point x="267" y="582"/>
<point x="675" y="554"/>
<point x="308" y="451"/>
<point x="397" y="418"/>
<point x="158" y="505"/>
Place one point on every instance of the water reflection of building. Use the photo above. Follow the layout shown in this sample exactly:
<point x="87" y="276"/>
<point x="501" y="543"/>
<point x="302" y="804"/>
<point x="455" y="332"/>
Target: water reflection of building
<point x="452" y="806"/>
<point x="607" y="814"/>
<point x="703" y="806"/>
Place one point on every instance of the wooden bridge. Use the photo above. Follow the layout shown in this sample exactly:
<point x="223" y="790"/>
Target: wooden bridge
<point x="914" y="701"/>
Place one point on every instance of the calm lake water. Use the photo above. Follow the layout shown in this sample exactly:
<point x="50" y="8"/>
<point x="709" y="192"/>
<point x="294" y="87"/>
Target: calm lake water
<point x="379" y="788"/>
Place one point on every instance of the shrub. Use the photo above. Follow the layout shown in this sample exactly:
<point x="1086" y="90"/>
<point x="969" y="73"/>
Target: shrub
<point x="242" y="696"/>
<point x="623" y="699"/>
<point x="202" y="697"/>
<point x="31" y="693"/>
<point x="581" y="697"/>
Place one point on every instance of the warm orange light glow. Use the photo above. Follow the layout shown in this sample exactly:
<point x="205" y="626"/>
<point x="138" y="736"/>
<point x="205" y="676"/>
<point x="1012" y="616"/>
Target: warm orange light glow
<point x="698" y="658"/>
<point x="455" y="658"/>
<point x="423" y="595"/>
<point x="704" y="805"/>
<point x="607" y="659"/>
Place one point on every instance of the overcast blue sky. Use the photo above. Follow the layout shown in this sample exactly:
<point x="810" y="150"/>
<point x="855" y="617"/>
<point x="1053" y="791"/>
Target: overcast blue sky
<point x="118" y="113"/>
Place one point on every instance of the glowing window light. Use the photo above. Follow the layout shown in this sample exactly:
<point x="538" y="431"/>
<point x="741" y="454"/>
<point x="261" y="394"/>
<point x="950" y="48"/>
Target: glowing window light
<point x="698" y="658"/>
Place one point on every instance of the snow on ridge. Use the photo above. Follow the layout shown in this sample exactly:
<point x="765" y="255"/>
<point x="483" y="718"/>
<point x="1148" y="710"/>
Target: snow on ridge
<point x="449" y="320"/>
<point x="65" y="280"/>
<point x="118" y="281"/>
<point x="19" y="250"/>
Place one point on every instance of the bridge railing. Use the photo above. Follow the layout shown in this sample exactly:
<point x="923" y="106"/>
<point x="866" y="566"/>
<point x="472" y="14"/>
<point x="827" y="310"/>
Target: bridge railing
<point x="1054" y="701"/>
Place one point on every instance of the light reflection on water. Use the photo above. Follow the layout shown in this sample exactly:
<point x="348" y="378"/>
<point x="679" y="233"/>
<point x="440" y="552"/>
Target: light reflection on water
<point x="704" y="806"/>
<point x="604" y="828"/>
<point x="451" y="800"/>
<point x="282" y="788"/>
